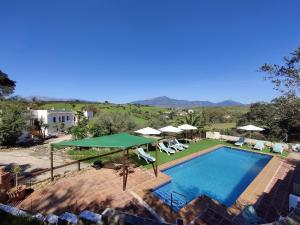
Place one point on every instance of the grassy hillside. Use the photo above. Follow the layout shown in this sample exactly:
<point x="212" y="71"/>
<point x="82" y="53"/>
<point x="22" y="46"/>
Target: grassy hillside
<point x="142" y="114"/>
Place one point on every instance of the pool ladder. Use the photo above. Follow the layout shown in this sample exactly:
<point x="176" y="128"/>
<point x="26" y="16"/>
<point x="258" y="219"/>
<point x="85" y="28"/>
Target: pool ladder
<point x="175" y="201"/>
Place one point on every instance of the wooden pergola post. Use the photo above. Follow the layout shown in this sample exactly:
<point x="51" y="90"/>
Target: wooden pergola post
<point x="124" y="169"/>
<point x="156" y="159"/>
<point x="51" y="162"/>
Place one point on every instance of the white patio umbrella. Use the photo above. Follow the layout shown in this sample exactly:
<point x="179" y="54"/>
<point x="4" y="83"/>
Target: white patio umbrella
<point x="186" y="128"/>
<point x="251" y="128"/>
<point x="170" y="130"/>
<point x="148" y="131"/>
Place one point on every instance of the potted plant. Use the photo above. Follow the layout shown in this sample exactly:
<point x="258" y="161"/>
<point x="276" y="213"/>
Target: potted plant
<point x="18" y="191"/>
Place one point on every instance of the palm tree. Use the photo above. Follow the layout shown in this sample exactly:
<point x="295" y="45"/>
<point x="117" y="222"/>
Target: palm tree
<point x="198" y="120"/>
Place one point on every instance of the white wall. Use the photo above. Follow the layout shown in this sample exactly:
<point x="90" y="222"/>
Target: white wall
<point x="219" y="136"/>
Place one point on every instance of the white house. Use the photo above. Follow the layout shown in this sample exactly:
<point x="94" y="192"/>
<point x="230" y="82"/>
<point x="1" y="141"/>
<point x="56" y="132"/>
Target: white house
<point x="58" y="120"/>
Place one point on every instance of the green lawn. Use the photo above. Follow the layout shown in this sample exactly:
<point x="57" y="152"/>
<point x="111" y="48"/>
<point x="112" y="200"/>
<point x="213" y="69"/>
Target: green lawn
<point x="162" y="156"/>
<point x="194" y="147"/>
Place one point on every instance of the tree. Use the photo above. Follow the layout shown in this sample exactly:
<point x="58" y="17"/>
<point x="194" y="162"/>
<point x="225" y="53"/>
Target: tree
<point x="198" y="120"/>
<point x="7" y="86"/>
<point x="158" y="122"/>
<point x="12" y="123"/>
<point x="280" y="117"/>
<point x="107" y="123"/>
<point x="80" y="130"/>
<point x="287" y="77"/>
<point x="16" y="170"/>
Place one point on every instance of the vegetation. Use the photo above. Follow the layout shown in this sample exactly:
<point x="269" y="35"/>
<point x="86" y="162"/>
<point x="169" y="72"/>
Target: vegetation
<point x="8" y="219"/>
<point x="7" y="86"/>
<point x="80" y="131"/>
<point x="285" y="77"/>
<point x="16" y="170"/>
<point x="13" y="121"/>
<point x="110" y="123"/>
<point x="280" y="118"/>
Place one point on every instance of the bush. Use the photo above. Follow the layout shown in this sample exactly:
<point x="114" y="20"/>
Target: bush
<point x="8" y="219"/>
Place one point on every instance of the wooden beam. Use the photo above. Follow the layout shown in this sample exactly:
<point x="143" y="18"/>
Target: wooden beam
<point x="51" y="163"/>
<point x="124" y="168"/>
<point x="78" y="166"/>
<point x="156" y="159"/>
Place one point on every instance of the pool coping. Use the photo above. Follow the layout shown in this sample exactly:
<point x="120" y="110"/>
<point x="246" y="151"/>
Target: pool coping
<point x="195" y="207"/>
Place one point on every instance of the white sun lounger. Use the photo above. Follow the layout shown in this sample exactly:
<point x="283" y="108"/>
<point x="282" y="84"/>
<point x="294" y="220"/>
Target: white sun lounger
<point x="182" y="145"/>
<point x="142" y="154"/>
<point x="259" y="145"/>
<point x="278" y="148"/>
<point x="175" y="146"/>
<point x="91" y="217"/>
<point x="162" y="147"/>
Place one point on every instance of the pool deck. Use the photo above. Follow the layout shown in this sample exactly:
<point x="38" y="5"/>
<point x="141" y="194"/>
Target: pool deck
<point x="98" y="189"/>
<point x="198" y="206"/>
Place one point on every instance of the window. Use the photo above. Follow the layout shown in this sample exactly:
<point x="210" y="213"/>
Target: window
<point x="68" y="118"/>
<point x="54" y="119"/>
<point x="63" y="119"/>
<point x="59" y="118"/>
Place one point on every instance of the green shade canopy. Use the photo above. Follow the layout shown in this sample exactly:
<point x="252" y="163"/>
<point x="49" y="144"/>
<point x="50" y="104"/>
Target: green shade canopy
<point x="122" y="141"/>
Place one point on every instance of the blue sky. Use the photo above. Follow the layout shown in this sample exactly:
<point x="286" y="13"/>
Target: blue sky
<point x="135" y="49"/>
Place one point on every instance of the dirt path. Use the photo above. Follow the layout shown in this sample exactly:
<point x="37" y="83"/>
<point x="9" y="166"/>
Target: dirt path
<point x="37" y="158"/>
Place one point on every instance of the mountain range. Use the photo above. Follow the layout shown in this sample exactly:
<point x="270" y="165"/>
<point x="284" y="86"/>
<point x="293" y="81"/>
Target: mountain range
<point x="167" y="102"/>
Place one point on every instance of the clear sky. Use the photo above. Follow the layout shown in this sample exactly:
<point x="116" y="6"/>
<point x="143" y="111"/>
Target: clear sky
<point x="135" y="49"/>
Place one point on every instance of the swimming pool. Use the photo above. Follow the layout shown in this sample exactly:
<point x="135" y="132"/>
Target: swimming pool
<point x="222" y="174"/>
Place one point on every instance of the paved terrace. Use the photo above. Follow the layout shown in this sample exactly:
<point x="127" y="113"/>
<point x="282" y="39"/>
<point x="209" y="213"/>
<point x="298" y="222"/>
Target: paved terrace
<point x="92" y="189"/>
<point x="98" y="189"/>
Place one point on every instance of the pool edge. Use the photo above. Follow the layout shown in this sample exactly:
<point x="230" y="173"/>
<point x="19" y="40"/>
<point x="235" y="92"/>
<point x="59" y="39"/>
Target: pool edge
<point x="250" y="195"/>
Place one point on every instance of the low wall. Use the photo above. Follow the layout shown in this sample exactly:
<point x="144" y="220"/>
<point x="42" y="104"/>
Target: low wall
<point x="219" y="136"/>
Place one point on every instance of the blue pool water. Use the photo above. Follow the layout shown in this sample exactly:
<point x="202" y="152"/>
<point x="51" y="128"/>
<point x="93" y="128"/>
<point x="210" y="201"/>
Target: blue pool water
<point x="222" y="174"/>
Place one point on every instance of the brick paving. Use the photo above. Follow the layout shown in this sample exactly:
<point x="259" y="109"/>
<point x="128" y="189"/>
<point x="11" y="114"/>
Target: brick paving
<point x="98" y="189"/>
<point x="92" y="190"/>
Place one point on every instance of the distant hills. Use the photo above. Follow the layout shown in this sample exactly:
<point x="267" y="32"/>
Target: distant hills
<point x="162" y="101"/>
<point x="167" y="102"/>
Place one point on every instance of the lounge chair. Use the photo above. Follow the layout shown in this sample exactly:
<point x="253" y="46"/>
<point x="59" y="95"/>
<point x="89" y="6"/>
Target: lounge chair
<point x="240" y="142"/>
<point x="180" y="144"/>
<point x="296" y="147"/>
<point x="259" y="145"/>
<point x="162" y="147"/>
<point x="90" y="217"/>
<point x="175" y="146"/>
<point x="250" y="216"/>
<point x="142" y="154"/>
<point x="278" y="148"/>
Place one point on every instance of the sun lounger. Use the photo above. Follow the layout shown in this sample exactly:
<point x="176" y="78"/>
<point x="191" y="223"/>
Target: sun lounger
<point x="180" y="144"/>
<point x="70" y="218"/>
<point x="240" y="142"/>
<point x="175" y="146"/>
<point x="250" y="216"/>
<point x="162" y="147"/>
<point x="296" y="147"/>
<point x="52" y="219"/>
<point x="259" y="145"/>
<point x="91" y="217"/>
<point x="142" y="154"/>
<point x="278" y="148"/>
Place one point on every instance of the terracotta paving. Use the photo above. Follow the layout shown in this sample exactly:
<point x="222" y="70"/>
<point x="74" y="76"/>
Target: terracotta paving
<point x="210" y="210"/>
<point x="92" y="189"/>
<point x="271" y="204"/>
<point x="98" y="189"/>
